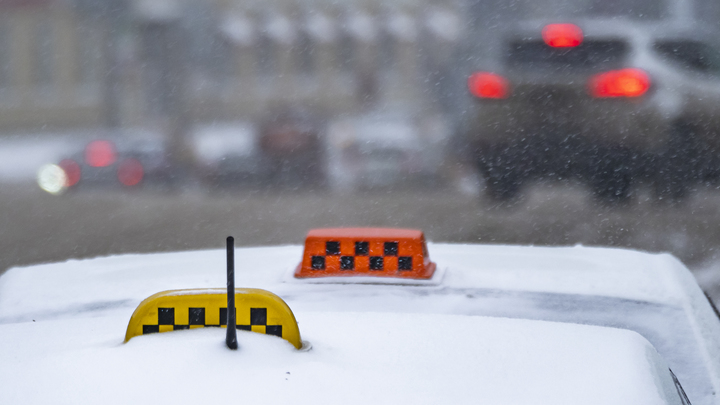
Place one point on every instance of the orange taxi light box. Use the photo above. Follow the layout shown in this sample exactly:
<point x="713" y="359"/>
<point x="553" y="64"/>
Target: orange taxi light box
<point x="369" y="252"/>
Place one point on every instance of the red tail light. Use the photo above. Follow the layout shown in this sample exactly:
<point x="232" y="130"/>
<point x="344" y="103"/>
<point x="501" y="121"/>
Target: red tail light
<point x="72" y="172"/>
<point x="562" y="35"/>
<point x="100" y="154"/>
<point x="130" y="172"/>
<point x="620" y="83"/>
<point x="488" y="85"/>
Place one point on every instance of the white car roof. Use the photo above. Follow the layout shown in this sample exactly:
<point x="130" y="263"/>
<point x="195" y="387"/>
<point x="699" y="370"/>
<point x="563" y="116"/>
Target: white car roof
<point x="615" y="273"/>
<point x="382" y="132"/>
<point x="213" y="142"/>
<point x="356" y="358"/>
<point x="469" y="280"/>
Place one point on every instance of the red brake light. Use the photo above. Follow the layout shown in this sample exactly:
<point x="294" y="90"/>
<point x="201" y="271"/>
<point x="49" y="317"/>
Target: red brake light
<point x="72" y="172"/>
<point x="620" y="83"/>
<point x="100" y="153"/>
<point x="488" y="85"/>
<point x="130" y="172"/>
<point x="562" y="35"/>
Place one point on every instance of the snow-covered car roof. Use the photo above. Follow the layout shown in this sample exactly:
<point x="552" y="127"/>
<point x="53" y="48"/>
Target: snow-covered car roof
<point x="80" y="309"/>
<point x="617" y="273"/>
<point x="390" y="133"/>
<point x="215" y="142"/>
<point x="356" y="358"/>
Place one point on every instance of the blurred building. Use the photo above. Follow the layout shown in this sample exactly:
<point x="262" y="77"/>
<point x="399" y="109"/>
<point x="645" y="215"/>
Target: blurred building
<point x="168" y="64"/>
<point x="51" y="66"/>
<point x="335" y="57"/>
<point x="90" y="63"/>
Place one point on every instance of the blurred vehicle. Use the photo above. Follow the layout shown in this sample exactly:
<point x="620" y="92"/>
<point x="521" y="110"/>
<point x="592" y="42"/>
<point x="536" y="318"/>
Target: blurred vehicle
<point x="230" y="154"/>
<point x="384" y="150"/>
<point x="126" y="162"/>
<point x="291" y="142"/>
<point x="480" y="324"/>
<point x="609" y="101"/>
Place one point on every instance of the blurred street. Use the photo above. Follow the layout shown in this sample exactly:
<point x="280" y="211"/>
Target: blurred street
<point x="168" y="125"/>
<point x="38" y="227"/>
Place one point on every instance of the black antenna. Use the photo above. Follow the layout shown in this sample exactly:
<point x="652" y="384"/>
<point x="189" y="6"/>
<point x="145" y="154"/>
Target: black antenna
<point x="231" y="336"/>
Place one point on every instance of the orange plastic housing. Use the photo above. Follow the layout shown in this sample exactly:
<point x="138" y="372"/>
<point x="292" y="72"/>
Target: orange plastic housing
<point x="373" y="252"/>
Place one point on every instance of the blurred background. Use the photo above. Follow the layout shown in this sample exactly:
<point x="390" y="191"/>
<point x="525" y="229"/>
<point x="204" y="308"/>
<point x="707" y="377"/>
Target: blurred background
<point x="133" y="126"/>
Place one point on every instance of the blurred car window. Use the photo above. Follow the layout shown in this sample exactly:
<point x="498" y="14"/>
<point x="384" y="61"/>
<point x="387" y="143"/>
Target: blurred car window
<point x="692" y="55"/>
<point x="641" y="10"/>
<point x="596" y="55"/>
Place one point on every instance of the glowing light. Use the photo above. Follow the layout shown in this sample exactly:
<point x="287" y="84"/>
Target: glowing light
<point x="488" y="85"/>
<point x="130" y="172"/>
<point x="562" y="35"/>
<point x="100" y="154"/>
<point x="72" y="172"/>
<point x="52" y="179"/>
<point x="619" y="83"/>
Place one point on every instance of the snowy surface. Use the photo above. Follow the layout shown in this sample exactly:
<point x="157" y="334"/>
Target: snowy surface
<point x="356" y="358"/>
<point x="590" y="271"/>
<point x="91" y="301"/>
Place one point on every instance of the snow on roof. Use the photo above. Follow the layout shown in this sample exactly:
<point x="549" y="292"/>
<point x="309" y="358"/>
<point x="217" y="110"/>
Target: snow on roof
<point x="444" y="24"/>
<point x="239" y="29"/>
<point x="390" y="133"/>
<point x="213" y="142"/>
<point x="321" y="28"/>
<point x="356" y="358"/>
<point x="157" y="10"/>
<point x="390" y="130"/>
<point x="402" y="26"/>
<point x="361" y="27"/>
<point x="130" y="278"/>
<point x="654" y="286"/>
<point x="280" y="29"/>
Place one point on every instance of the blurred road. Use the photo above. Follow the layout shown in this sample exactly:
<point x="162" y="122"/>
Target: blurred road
<point x="38" y="227"/>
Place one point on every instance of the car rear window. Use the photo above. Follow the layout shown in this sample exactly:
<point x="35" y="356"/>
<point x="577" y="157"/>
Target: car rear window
<point x="590" y="55"/>
<point x="691" y="55"/>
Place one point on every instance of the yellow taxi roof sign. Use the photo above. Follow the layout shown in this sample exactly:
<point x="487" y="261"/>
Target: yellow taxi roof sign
<point x="256" y="311"/>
